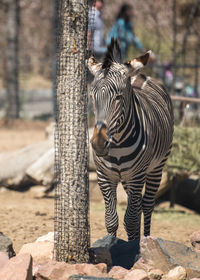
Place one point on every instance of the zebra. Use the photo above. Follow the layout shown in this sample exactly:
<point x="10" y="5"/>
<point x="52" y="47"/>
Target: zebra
<point x="132" y="137"/>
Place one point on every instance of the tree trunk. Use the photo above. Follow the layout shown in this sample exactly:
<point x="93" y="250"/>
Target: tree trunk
<point x="71" y="140"/>
<point x="12" y="58"/>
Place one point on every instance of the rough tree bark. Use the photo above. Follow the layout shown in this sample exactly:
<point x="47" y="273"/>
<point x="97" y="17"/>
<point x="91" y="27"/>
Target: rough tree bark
<point x="12" y="58"/>
<point x="71" y="209"/>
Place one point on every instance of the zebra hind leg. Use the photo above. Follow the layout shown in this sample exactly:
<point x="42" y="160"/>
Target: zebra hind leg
<point x="152" y="184"/>
<point x="110" y="198"/>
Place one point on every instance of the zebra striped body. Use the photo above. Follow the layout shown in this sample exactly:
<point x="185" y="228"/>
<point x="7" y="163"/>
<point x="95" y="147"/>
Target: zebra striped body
<point x="141" y="139"/>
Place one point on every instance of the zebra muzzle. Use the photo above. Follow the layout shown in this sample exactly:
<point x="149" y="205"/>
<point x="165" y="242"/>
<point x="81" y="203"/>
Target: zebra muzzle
<point x="100" y="140"/>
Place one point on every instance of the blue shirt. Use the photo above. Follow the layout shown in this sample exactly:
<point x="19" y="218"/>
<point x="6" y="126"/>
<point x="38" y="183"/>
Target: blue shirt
<point x="96" y="26"/>
<point x="122" y="31"/>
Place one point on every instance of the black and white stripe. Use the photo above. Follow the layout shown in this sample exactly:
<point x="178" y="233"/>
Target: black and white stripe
<point x="138" y="113"/>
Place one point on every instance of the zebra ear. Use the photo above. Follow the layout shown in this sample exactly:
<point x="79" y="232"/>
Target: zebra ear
<point x="93" y="65"/>
<point x="139" y="62"/>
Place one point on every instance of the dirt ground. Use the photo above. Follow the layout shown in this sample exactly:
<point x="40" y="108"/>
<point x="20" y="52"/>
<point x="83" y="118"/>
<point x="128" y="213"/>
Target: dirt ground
<point x="24" y="217"/>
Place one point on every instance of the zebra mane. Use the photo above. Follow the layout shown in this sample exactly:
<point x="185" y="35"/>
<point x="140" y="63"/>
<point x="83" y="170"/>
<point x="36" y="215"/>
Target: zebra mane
<point x="113" y="54"/>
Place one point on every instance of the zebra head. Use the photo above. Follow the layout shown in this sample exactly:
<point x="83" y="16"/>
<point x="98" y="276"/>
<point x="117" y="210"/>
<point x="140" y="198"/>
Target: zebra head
<point x="112" y="93"/>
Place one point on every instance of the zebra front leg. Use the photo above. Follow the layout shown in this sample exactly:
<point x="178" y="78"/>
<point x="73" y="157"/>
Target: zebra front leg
<point x="132" y="218"/>
<point x="152" y="184"/>
<point x="110" y="198"/>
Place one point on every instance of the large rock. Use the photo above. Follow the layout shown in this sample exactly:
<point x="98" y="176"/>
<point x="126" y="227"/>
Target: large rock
<point x="47" y="237"/>
<point x="117" y="252"/>
<point x="188" y="193"/>
<point x="141" y="264"/>
<point x="177" y="273"/>
<point x="6" y="245"/>
<point x="136" y="274"/>
<point x="3" y="259"/>
<point x="91" y="269"/>
<point x="17" y="268"/>
<point x="195" y="241"/>
<point x="155" y="274"/>
<point x="165" y="255"/>
<point x="53" y="270"/>
<point x="79" y="277"/>
<point x="40" y="251"/>
<point x="13" y="164"/>
<point x="100" y="255"/>
<point x="118" y="272"/>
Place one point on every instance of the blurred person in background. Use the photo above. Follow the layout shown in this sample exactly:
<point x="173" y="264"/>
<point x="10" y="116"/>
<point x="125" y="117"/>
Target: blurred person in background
<point x="96" y="41"/>
<point x="168" y="75"/>
<point x="123" y="31"/>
